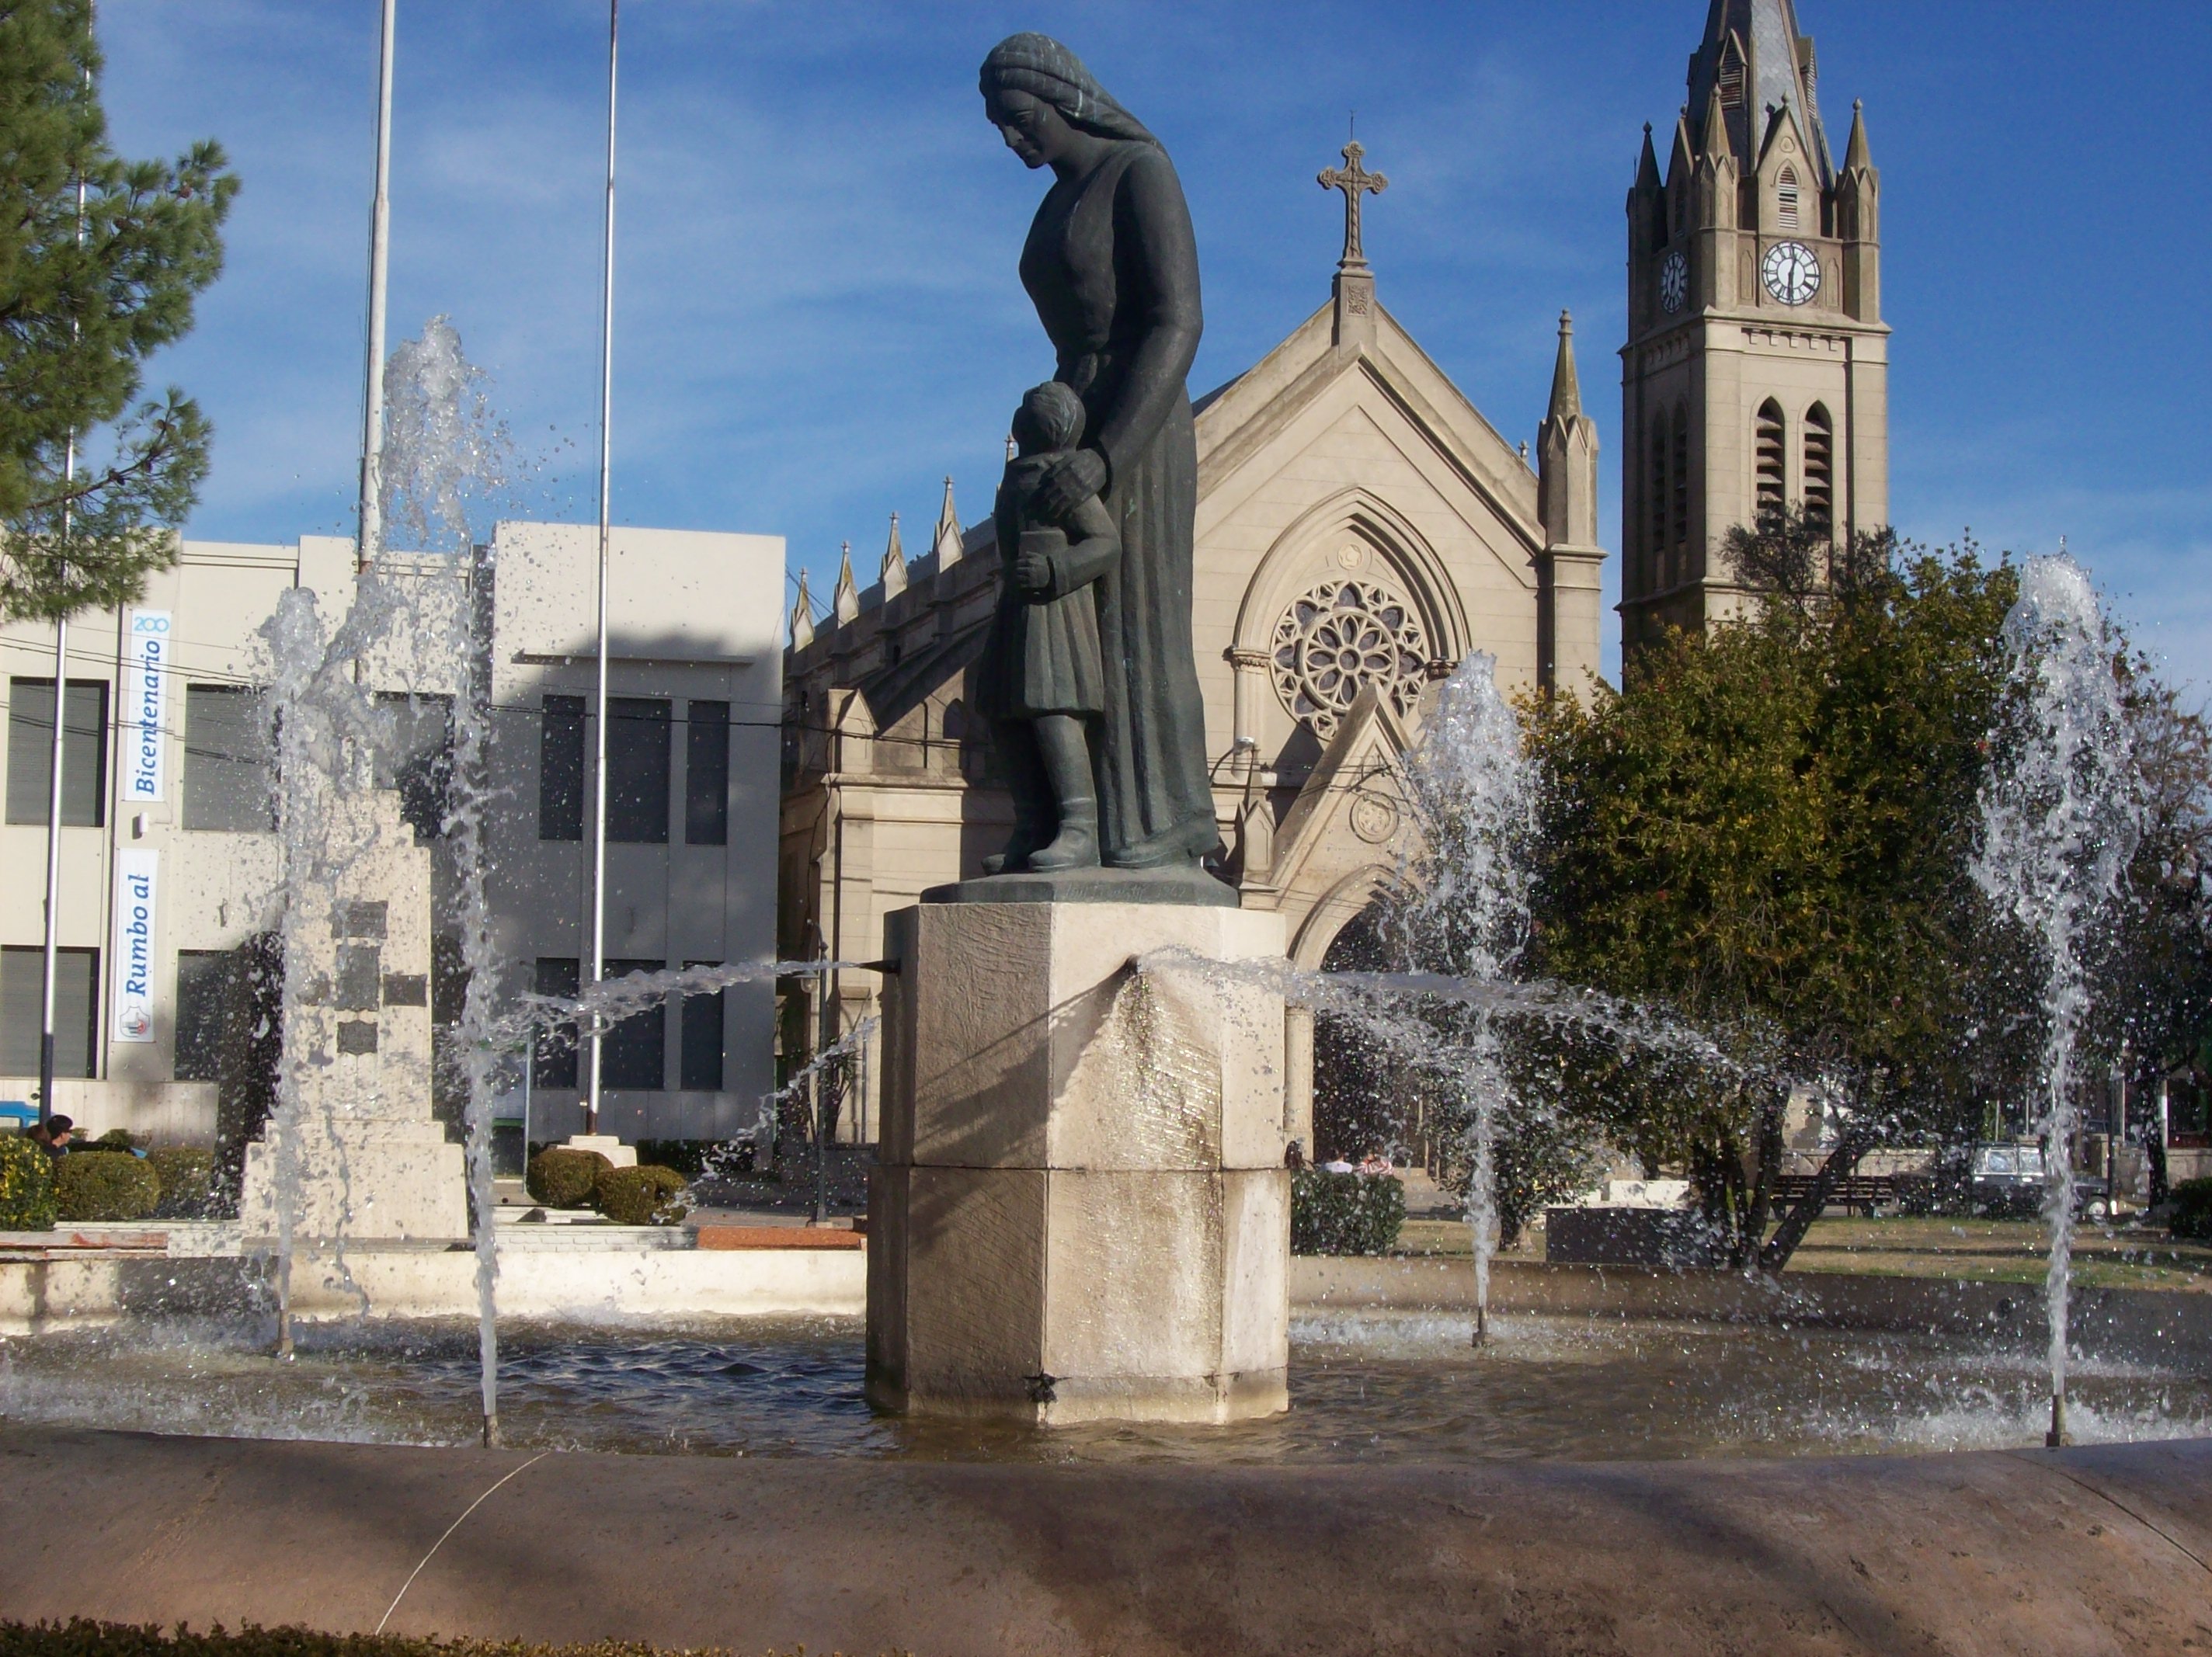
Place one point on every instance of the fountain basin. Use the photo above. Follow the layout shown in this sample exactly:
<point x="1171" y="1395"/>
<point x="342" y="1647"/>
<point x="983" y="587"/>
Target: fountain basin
<point x="2098" y="1549"/>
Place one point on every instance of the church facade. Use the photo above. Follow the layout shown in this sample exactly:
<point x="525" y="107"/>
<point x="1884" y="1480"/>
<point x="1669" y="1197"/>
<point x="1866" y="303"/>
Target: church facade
<point x="1361" y="529"/>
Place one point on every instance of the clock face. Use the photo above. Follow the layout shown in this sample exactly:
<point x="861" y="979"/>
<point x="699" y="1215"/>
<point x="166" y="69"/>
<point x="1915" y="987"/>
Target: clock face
<point x="1793" y="275"/>
<point x="1674" y="281"/>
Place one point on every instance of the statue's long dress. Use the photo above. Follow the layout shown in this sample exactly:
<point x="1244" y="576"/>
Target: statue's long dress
<point x="1112" y="268"/>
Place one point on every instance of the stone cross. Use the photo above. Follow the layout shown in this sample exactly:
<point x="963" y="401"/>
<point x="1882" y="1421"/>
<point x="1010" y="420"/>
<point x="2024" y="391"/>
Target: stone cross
<point x="1355" y="181"/>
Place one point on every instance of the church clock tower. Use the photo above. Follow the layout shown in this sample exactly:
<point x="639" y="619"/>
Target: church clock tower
<point x="1756" y="371"/>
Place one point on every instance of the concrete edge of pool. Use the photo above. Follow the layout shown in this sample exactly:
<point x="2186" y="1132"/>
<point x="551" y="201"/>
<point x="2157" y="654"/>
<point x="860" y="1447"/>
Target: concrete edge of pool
<point x="2102" y="1549"/>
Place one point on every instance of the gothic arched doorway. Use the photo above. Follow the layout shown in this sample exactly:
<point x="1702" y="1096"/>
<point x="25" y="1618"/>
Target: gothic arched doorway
<point x="1361" y="1106"/>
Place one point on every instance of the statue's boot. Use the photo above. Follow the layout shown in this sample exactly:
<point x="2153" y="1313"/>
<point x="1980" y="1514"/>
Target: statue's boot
<point x="1066" y="757"/>
<point x="1017" y="744"/>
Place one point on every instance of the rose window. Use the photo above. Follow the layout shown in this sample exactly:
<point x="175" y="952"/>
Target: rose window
<point x="1338" y="639"/>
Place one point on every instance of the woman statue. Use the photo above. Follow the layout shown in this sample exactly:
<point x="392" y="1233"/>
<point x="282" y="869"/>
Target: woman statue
<point x="1112" y="268"/>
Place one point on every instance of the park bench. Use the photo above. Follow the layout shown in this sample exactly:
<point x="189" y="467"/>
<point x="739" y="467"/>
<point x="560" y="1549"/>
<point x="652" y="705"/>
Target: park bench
<point x="1853" y="1192"/>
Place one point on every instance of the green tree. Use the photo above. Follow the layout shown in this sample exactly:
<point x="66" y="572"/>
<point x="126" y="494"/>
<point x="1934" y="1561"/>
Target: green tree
<point x="85" y="299"/>
<point x="1767" y="830"/>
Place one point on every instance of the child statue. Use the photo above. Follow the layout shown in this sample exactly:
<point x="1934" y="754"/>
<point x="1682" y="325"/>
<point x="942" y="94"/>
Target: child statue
<point x="1039" y="681"/>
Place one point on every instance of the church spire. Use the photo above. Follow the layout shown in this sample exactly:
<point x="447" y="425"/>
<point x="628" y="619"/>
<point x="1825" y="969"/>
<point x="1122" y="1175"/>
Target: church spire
<point x="946" y="541"/>
<point x="845" y="601"/>
<point x="802" y="615"/>
<point x="1858" y="156"/>
<point x="893" y="574"/>
<point x="1647" y="166"/>
<point x="1566" y="389"/>
<point x="1753" y="58"/>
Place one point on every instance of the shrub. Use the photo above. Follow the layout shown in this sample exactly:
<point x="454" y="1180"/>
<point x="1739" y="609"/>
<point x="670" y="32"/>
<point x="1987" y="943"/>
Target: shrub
<point x="644" y="1195"/>
<point x="105" y="1185"/>
<point x="1345" y="1213"/>
<point x="187" y="1176"/>
<point x="2192" y="1210"/>
<point x="116" y="1138"/>
<point x="560" y="1176"/>
<point x="26" y="1185"/>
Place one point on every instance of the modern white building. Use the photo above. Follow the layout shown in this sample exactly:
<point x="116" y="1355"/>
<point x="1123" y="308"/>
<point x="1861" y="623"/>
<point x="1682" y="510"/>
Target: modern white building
<point x="169" y="864"/>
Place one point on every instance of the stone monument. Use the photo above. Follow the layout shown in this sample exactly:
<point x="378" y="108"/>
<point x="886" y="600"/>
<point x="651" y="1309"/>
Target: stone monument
<point x="362" y="1153"/>
<point x="1081" y="1208"/>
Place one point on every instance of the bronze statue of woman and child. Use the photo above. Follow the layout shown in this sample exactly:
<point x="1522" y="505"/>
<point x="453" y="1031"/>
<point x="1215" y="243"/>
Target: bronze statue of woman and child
<point x="1087" y="677"/>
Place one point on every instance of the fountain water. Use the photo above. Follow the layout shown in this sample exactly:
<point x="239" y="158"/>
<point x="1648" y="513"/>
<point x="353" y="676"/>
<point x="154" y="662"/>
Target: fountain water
<point x="2060" y="820"/>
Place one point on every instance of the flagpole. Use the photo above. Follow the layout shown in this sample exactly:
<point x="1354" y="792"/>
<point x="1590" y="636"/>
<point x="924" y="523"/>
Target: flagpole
<point x="52" y="955"/>
<point x="370" y="520"/>
<point x="606" y="459"/>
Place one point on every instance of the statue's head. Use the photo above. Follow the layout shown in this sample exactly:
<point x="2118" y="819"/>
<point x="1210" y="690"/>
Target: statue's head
<point x="1037" y="93"/>
<point x="1050" y="417"/>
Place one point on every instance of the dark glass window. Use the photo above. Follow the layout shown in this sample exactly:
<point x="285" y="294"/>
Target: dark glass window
<point x="419" y="762"/>
<point x="637" y="770"/>
<point x="31" y="751"/>
<point x="202" y="995"/>
<point x="561" y="773"/>
<point x="635" y="1053"/>
<point x="706" y="774"/>
<point x="22" y="978"/>
<point x="554" y="1065"/>
<point x="701" y="1035"/>
<point x="226" y="759"/>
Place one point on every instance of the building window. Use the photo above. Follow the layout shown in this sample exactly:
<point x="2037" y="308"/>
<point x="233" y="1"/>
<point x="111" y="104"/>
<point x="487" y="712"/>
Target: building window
<point x="561" y="770"/>
<point x="202" y="995"/>
<point x="700" y="1061"/>
<point x="1768" y="451"/>
<point x="31" y="751"/>
<point x="1785" y="194"/>
<point x="1678" y="477"/>
<point x="553" y="1064"/>
<point x="227" y="771"/>
<point x="635" y="1053"/>
<point x="706" y="774"/>
<point x="22" y="982"/>
<point x="637" y="770"/>
<point x="1820" y="468"/>
<point x="1731" y="78"/>
<point x="419" y="760"/>
<point x="1658" y="491"/>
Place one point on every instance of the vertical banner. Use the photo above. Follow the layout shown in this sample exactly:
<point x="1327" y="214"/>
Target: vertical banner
<point x="145" y="692"/>
<point x="137" y="875"/>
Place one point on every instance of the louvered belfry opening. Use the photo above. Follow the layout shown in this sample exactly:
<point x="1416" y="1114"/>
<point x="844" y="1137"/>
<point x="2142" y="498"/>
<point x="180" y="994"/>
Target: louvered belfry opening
<point x="1772" y="479"/>
<point x="1820" y="468"/>
<point x="1657" y="562"/>
<point x="1679" y="480"/>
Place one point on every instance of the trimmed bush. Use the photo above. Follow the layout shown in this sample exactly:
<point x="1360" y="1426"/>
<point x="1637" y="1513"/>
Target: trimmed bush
<point x="644" y="1195"/>
<point x="105" y="1185"/>
<point x="187" y="1176"/>
<point x="116" y="1138"/>
<point x="561" y="1176"/>
<point x="26" y="1185"/>
<point x="2192" y="1210"/>
<point x="1345" y="1213"/>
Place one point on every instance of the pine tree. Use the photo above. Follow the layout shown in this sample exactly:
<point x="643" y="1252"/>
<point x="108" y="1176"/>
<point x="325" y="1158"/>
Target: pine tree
<point x="85" y="299"/>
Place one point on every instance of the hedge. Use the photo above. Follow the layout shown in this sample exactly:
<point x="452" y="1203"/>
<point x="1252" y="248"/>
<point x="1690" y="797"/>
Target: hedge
<point x="644" y="1195"/>
<point x="561" y="1176"/>
<point x="80" y="1638"/>
<point x="26" y="1185"/>
<point x="105" y="1185"/>
<point x="1345" y="1213"/>
<point x="2192" y="1210"/>
<point x="187" y="1176"/>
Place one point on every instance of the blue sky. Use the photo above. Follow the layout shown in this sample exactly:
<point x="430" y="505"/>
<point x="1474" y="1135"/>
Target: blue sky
<point x="817" y="317"/>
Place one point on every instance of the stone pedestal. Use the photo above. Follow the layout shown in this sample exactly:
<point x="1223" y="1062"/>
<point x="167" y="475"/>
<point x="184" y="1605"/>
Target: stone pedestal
<point x="364" y="1155"/>
<point x="1080" y="1210"/>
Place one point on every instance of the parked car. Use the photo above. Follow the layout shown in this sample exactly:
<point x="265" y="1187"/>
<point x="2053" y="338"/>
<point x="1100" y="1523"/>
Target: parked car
<point x="2006" y="1178"/>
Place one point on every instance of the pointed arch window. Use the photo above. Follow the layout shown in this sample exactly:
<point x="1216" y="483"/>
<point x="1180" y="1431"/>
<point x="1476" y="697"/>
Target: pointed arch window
<point x="1767" y="449"/>
<point x="1785" y="192"/>
<point x="1655" y="486"/>
<point x="1819" y="467"/>
<point x="1678" y="477"/>
<point x="1731" y="76"/>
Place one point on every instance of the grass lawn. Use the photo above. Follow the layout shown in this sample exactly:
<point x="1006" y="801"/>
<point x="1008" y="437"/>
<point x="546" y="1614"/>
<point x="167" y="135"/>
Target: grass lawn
<point x="1977" y="1251"/>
